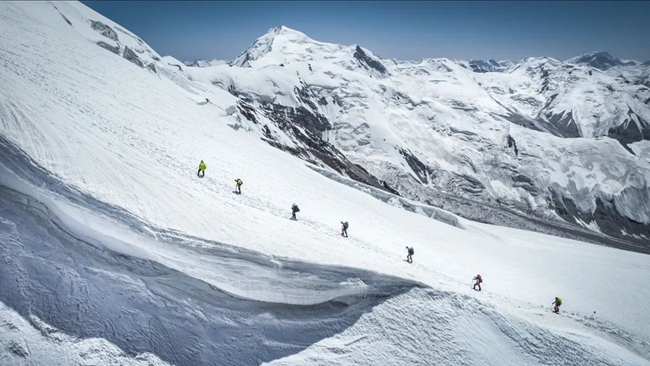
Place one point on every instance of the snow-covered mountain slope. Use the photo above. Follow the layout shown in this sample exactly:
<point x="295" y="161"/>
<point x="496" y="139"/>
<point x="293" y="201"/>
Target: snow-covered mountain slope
<point x="97" y="29"/>
<point x="529" y="138"/>
<point x="114" y="252"/>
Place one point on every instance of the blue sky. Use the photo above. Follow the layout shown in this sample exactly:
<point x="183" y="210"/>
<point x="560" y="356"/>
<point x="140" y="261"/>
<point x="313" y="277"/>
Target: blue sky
<point x="191" y="30"/>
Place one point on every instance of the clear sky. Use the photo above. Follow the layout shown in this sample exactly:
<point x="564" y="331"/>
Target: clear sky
<point x="191" y="30"/>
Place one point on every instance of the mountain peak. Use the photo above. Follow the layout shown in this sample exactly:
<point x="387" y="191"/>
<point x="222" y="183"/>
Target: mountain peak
<point x="264" y="44"/>
<point x="598" y="54"/>
<point x="601" y="60"/>
<point x="284" y="30"/>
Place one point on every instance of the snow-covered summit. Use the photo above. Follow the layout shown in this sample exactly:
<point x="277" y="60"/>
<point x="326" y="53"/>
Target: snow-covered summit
<point x="280" y="36"/>
<point x="283" y="46"/>
<point x="600" y="60"/>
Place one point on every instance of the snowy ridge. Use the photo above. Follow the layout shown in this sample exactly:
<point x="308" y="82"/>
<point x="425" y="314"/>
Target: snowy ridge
<point x="115" y="252"/>
<point x="97" y="29"/>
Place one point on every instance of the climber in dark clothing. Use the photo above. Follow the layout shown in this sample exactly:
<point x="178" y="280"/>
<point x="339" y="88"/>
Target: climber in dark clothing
<point x="477" y="282"/>
<point x="294" y="209"/>
<point x="344" y="229"/>
<point x="409" y="255"/>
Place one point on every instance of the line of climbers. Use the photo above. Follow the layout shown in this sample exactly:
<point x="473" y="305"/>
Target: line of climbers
<point x="477" y="280"/>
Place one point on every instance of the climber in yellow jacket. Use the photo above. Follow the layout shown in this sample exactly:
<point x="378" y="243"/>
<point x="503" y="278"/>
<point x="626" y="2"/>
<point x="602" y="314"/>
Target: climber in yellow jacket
<point x="239" y="183"/>
<point x="201" y="172"/>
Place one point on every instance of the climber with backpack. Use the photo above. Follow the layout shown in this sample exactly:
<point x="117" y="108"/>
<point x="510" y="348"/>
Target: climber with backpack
<point x="478" y="280"/>
<point x="239" y="183"/>
<point x="294" y="209"/>
<point x="201" y="170"/>
<point x="344" y="229"/>
<point x="409" y="254"/>
<point x="556" y="305"/>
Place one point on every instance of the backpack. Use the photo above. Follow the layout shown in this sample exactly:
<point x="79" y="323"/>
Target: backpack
<point x="295" y="208"/>
<point x="479" y="278"/>
<point x="345" y="225"/>
<point x="559" y="301"/>
<point x="411" y="251"/>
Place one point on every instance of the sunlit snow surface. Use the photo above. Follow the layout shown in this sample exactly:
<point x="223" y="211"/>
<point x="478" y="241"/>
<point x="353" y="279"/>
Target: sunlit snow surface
<point x="113" y="252"/>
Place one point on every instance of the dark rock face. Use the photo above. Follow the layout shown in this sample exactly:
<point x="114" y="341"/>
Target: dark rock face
<point x="104" y="30"/>
<point x="420" y="169"/>
<point x="132" y="56"/>
<point x="512" y="143"/>
<point x="63" y="16"/>
<point x="18" y="350"/>
<point x="606" y="216"/>
<point x="464" y="185"/>
<point x="521" y="121"/>
<point x="563" y="124"/>
<point x="247" y="111"/>
<point x="369" y="62"/>
<point x="629" y="131"/>
<point x="66" y="20"/>
<point x="305" y="96"/>
<point x="526" y="183"/>
<point x="599" y="60"/>
<point x="104" y="45"/>
<point x="306" y="128"/>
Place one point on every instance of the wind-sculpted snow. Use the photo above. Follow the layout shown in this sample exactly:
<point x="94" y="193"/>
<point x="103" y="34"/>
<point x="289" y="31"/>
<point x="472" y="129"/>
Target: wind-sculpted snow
<point x="448" y="329"/>
<point x="185" y="300"/>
